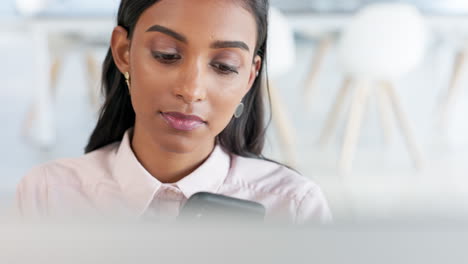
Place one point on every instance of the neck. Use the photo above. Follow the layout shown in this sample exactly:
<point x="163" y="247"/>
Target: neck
<point x="166" y="165"/>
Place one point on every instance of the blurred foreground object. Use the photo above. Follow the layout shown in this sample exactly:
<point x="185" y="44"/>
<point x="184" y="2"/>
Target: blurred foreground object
<point x="136" y="242"/>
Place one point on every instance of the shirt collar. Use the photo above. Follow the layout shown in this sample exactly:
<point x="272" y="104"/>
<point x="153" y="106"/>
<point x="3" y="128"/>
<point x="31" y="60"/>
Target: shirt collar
<point x="209" y="176"/>
<point x="139" y="186"/>
<point x="136" y="183"/>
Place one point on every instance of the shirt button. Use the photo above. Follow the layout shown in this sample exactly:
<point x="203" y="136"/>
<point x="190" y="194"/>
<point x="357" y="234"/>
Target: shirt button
<point x="170" y="192"/>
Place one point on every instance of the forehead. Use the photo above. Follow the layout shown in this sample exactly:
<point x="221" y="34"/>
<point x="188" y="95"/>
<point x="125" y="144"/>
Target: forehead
<point x="212" y="19"/>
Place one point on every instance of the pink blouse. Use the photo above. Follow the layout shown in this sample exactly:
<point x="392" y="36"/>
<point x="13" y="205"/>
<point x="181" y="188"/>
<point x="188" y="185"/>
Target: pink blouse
<point x="112" y="180"/>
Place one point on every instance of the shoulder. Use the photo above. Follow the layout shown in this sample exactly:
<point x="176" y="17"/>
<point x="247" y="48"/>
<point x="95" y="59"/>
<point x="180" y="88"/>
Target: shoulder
<point x="268" y="176"/>
<point x="280" y="188"/>
<point x="83" y="170"/>
<point x="68" y="175"/>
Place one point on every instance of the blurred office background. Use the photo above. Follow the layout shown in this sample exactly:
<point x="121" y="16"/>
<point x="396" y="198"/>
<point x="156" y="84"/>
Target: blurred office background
<point x="375" y="165"/>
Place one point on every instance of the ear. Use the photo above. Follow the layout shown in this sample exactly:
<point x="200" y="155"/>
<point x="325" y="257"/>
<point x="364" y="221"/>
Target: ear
<point x="257" y="62"/>
<point x="120" y="46"/>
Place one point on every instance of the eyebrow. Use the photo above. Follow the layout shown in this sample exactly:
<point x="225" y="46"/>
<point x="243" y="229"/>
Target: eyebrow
<point x="165" y="30"/>
<point x="229" y="44"/>
<point x="182" y="38"/>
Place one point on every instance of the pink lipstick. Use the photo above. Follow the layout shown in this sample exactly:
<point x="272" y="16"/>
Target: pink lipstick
<point x="181" y="121"/>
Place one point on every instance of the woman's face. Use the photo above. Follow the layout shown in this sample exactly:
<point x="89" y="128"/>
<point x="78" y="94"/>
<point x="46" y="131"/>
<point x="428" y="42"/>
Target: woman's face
<point x="190" y="64"/>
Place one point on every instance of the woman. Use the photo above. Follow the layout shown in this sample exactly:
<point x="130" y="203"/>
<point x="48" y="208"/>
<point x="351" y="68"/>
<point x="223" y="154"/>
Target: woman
<point x="183" y="114"/>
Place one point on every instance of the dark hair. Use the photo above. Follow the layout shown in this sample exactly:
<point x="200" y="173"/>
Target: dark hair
<point x="244" y="136"/>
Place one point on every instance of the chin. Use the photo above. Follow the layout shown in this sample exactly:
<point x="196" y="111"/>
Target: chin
<point x="181" y="145"/>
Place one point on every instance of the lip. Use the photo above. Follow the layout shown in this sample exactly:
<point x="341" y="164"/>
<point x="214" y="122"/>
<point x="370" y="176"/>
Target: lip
<point x="183" y="122"/>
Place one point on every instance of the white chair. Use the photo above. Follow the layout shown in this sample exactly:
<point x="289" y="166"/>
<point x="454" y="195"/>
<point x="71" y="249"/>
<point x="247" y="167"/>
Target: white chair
<point x="40" y="115"/>
<point x="39" y="124"/>
<point x="31" y="7"/>
<point x="51" y="45"/>
<point x="281" y="55"/>
<point x="382" y="43"/>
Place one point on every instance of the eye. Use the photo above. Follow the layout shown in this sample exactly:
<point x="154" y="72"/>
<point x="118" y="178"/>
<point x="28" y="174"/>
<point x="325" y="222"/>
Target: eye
<point x="224" y="69"/>
<point x="166" y="58"/>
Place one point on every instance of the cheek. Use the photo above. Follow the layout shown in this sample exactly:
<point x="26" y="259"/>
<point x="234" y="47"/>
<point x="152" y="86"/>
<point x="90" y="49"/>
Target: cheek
<point x="224" y="104"/>
<point x="149" y="86"/>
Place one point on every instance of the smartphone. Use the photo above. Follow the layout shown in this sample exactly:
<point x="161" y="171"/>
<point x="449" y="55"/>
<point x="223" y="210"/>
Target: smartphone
<point x="210" y="206"/>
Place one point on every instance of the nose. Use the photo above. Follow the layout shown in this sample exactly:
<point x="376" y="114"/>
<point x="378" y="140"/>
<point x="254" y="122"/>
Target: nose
<point x="190" y="88"/>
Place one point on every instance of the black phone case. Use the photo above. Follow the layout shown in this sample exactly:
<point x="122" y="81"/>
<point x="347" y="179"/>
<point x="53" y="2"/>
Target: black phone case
<point x="204" y="205"/>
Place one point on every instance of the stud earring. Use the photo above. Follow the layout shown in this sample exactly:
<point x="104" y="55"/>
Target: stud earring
<point x="127" y="79"/>
<point x="239" y="110"/>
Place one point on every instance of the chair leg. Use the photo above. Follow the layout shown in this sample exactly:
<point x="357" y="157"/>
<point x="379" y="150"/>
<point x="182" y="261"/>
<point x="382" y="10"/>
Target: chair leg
<point x="333" y="116"/>
<point x="358" y="106"/>
<point x="317" y="61"/>
<point x="453" y="89"/>
<point x="54" y="73"/>
<point x="404" y="125"/>
<point x="385" y="112"/>
<point x="283" y="125"/>
<point x="33" y="109"/>
<point x="93" y="79"/>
